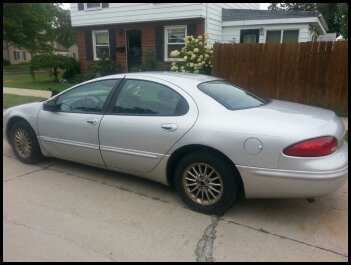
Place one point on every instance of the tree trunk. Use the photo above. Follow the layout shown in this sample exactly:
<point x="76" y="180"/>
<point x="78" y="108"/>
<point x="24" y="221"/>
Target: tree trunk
<point x="55" y="74"/>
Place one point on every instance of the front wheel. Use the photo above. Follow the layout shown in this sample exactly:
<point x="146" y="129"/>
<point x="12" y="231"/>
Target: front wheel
<point x="24" y="143"/>
<point x="206" y="183"/>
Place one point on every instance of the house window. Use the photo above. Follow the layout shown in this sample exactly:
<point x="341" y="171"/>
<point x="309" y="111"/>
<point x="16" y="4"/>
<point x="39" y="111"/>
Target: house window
<point x="290" y="36"/>
<point x="174" y="40"/>
<point x="101" y="44"/>
<point x="24" y="56"/>
<point x="282" y="36"/>
<point x="17" y="55"/>
<point x="249" y="35"/>
<point x="92" y="6"/>
<point x="273" y="36"/>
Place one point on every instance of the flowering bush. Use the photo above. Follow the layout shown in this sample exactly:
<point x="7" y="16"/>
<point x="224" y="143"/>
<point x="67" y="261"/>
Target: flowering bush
<point x="195" y="56"/>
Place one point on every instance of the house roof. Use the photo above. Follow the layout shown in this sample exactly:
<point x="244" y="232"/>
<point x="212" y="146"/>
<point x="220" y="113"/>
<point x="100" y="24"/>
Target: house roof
<point x="256" y="14"/>
<point x="250" y="14"/>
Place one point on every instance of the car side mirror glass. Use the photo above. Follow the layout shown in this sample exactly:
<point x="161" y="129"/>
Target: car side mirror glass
<point x="51" y="106"/>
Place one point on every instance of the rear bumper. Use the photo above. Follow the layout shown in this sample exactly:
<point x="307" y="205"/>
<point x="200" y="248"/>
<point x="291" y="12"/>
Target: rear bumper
<point x="263" y="183"/>
<point x="278" y="183"/>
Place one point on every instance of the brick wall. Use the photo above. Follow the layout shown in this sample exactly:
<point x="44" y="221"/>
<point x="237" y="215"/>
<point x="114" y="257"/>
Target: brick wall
<point x="147" y="40"/>
<point x="80" y="40"/>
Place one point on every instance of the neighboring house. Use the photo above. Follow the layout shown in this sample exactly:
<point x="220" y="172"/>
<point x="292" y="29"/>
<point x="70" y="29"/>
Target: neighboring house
<point x="125" y="31"/>
<point x="70" y="52"/>
<point x="266" y="26"/>
<point x="327" y="37"/>
<point x="15" y="55"/>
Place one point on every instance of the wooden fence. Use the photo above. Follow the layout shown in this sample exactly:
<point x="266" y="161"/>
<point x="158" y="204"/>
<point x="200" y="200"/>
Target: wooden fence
<point x="313" y="73"/>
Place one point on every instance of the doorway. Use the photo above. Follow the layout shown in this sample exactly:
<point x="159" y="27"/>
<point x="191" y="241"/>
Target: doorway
<point x="133" y="49"/>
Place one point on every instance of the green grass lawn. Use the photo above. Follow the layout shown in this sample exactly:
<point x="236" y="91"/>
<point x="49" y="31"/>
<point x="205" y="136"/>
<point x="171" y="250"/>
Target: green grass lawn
<point x="18" y="76"/>
<point x="10" y="100"/>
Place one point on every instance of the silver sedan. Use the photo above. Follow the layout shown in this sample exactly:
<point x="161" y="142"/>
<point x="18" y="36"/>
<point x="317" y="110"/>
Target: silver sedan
<point x="211" y="140"/>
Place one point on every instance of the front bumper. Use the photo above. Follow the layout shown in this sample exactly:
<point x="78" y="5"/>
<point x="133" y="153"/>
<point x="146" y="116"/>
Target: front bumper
<point x="278" y="183"/>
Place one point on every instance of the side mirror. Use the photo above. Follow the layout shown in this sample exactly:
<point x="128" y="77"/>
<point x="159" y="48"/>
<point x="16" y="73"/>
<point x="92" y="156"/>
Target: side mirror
<point x="51" y="106"/>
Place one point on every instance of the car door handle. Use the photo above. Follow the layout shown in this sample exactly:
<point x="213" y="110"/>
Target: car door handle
<point x="169" y="127"/>
<point x="92" y="122"/>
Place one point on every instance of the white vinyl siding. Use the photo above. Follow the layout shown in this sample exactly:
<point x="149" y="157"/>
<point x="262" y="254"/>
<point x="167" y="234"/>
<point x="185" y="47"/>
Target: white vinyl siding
<point x="142" y="12"/>
<point x="214" y="18"/>
<point x="136" y="12"/>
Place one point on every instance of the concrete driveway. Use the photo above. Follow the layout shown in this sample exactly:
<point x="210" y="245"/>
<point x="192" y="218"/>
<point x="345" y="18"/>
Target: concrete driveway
<point x="59" y="210"/>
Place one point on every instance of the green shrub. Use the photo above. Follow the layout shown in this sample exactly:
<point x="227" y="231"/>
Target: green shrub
<point x="50" y="61"/>
<point x="5" y="62"/>
<point x="103" y="67"/>
<point x="150" y="62"/>
<point x="71" y="68"/>
<point x="195" y="56"/>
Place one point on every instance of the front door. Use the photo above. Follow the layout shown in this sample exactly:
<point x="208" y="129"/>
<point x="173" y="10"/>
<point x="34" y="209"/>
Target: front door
<point x="143" y="123"/>
<point x="71" y="133"/>
<point x="133" y="49"/>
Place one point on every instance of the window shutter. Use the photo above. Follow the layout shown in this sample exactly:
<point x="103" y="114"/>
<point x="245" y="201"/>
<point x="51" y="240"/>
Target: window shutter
<point x="159" y="43"/>
<point x="80" y="6"/>
<point x="88" y="45"/>
<point x="112" y="41"/>
<point x="104" y="5"/>
<point x="191" y="29"/>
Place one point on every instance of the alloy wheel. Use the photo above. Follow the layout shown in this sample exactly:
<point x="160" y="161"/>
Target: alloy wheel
<point x="202" y="183"/>
<point x="23" y="142"/>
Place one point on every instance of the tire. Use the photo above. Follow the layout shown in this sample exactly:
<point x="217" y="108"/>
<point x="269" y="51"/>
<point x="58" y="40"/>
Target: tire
<point x="33" y="155"/>
<point x="230" y="181"/>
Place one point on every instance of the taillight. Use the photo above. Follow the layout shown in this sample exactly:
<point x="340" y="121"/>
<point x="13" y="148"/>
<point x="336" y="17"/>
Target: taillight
<point x="320" y="146"/>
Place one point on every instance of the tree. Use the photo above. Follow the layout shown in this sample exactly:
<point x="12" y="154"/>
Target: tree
<point x="343" y="12"/>
<point x="63" y="28"/>
<point x="34" y="26"/>
<point x="335" y="14"/>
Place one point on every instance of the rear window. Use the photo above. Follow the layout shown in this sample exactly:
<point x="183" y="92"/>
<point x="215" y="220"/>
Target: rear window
<point x="230" y="96"/>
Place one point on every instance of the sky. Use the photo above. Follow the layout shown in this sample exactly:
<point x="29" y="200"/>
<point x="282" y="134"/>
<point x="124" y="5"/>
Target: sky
<point x="262" y="5"/>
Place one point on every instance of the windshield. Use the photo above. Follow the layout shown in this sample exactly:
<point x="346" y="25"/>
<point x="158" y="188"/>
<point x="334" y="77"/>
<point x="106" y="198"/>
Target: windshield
<point x="230" y="96"/>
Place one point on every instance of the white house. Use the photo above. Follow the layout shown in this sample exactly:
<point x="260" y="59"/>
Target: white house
<point x="127" y="32"/>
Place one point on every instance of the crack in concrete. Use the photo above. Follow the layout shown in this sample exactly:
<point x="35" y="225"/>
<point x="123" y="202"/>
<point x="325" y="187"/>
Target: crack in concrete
<point x="28" y="173"/>
<point x="108" y="256"/>
<point x="204" y="248"/>
<point x="261" y="230"/>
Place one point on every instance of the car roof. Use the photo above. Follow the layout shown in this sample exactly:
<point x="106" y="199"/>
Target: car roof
<point x="174" y="77"/>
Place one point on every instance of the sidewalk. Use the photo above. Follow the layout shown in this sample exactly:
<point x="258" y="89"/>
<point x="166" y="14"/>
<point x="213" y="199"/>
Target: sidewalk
<point x="27" y="92"/>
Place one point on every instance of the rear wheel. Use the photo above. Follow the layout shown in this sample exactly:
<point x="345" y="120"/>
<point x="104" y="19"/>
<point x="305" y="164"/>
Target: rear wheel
<point x="24" y="143"/>
<point x="206" y="183"/>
